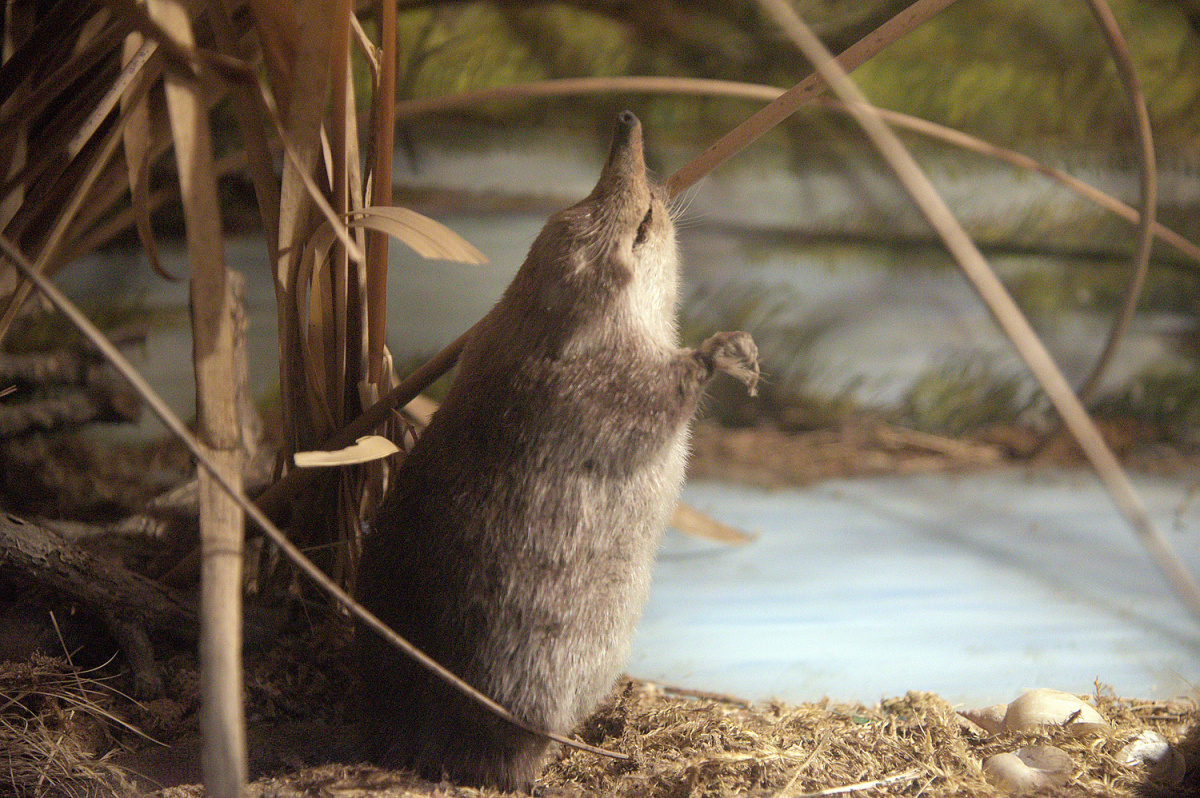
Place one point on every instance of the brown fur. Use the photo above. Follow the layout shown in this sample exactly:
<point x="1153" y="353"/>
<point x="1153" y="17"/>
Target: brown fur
<point x="515" y="547"/>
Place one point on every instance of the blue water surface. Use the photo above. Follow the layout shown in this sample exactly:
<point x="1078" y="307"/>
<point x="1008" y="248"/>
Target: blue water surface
<point x="975" y="587"/>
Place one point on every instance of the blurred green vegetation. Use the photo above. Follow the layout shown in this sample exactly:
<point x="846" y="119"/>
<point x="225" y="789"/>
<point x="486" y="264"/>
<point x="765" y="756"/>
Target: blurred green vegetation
<point x="1021" y="70"/>
<point x="962" y="395"/>
<point x="1012" y="70"/>
<point x="1169" y="399"/>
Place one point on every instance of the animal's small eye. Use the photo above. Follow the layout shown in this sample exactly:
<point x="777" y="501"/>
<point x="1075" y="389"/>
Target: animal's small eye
<point x="644" y="227"/>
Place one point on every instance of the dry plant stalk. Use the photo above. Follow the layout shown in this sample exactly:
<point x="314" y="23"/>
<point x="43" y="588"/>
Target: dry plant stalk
<point x="1148" y="174"/>
<point x="219" y="348"/>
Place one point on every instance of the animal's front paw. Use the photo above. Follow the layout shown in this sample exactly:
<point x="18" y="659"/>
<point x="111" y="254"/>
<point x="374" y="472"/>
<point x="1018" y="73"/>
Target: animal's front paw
<point x="735" y="354"/>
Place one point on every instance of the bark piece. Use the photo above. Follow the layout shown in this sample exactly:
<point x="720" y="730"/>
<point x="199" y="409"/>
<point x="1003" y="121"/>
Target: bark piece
<point x="131" y="605"/>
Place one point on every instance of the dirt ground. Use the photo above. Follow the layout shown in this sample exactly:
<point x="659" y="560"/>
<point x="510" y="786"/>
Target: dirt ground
<point x="69" y="728"/>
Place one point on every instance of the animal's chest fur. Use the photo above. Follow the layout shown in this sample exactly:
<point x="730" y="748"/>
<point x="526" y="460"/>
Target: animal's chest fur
<point x="568" y="456"/>
<point x="534" y="503"/>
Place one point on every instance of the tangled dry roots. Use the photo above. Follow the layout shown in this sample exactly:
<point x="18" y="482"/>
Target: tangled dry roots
<point x="55" y="727"/>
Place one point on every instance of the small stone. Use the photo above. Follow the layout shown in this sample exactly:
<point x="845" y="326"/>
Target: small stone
<point x="1034" y="767"/>
<point x="1038" y="708"/>
<point x="1163" y="762"/>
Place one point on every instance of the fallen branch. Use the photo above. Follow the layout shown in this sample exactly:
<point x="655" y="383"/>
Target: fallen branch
<point x="959" y="450"/>
<point x="130" y="604"/>
<point x="69" y="407"/>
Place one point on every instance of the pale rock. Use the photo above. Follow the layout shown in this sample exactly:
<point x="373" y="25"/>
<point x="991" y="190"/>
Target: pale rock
<point x="989" y="719"/>
<point x="1034" y="767"/>
<point x="1164" y="763"/>
<point x="1039" y="708"/>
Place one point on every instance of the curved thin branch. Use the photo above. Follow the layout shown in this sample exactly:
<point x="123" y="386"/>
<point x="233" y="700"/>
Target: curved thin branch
<point x="177" y="428"/>
<point x="1008" y="316"/>
<point x="781" y="106"/>
<point x="756" y="92"/>
<point x="1149" y="190"/>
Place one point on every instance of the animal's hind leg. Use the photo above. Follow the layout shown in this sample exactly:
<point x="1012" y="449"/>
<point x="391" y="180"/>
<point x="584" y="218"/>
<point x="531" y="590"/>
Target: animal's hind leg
<point x="468" y="745"/>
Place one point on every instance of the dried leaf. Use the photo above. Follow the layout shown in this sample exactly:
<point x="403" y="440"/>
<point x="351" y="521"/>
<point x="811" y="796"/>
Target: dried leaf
<point x="364" y="450"/>
<point x="138" y="153"/>
<point x="690" y="521"/>
<point x="426" y="237"/>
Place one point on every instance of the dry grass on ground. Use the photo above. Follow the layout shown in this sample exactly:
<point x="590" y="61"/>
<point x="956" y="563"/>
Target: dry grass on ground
<point x="56" y="729"/>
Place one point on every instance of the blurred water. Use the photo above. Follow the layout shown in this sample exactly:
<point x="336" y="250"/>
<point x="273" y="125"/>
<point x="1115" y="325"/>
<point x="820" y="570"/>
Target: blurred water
<point x="974" y="587"/>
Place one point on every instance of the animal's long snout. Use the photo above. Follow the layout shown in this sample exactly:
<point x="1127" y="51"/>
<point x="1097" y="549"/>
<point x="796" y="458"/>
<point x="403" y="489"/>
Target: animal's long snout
<point x="626" y="164"/>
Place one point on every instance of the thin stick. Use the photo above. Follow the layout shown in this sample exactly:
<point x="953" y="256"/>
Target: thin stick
<point x="808" y="760"/>
<point x="1147" y="169"/>
<point x="110" y="99"/>
<point x="1002" y="306"/>
<point x="381" y="189"/>
<point x="802" y="93"/>
<point x="908" y="775"/>
<point x="177" y="428"/>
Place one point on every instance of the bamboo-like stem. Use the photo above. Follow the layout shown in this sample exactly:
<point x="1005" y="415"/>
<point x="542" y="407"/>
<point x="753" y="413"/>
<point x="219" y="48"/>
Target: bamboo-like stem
<point x="381" y="192"/>
<point x="1002" y="306"/>
<point x="219" y="343"/>
<point x="342" y="128"/>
